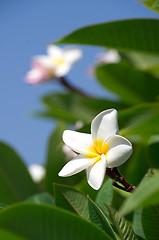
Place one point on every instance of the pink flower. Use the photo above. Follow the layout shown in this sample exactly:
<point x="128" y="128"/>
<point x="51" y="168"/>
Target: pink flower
<point x="56" y="63"/>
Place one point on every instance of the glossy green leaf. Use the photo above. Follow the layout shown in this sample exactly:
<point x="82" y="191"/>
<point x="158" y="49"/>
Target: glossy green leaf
<point x="147" y="194"/>
<point x="123" y="228"/>
<point x="137" y="224"/>
<point x="98" y="217"/>
<point x="132" y="34"/>
<point x="74" y="107"/>
<point x="153" y="151"/>
<point x="40" y="198"/>
<point x="142" y="119"/>
<point x="143" y="61"/>
<point x="68" y="106"/>
<point x="3" y="206"/>
<point x="15" y="182"/>
<point x="150" y="222"/>
<point x="56" y="159"/>
<point x="105" y="195"/>
<point x="70" y="199"/>
<point x="132" y="85"/>
<point x="152" y="4"/>
<point x="7" y="235"/>
<point x="136" y="167"/>
<point x="39" y="222"/>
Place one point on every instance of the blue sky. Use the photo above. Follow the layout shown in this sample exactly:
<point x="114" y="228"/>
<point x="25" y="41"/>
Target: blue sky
<point x="26" y="28"/>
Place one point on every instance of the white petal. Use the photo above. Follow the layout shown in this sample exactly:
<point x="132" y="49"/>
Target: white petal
<point x="96" y="173"/>
<point x="44" y="61"/>
<point x="76" y="165"/>
<point x="36" y="76"/>
<point x="72" y="55"/>
<point x="78" y="142"/>
<point x="104" y="125"/>
<point x="120" y="149"/>
<point x="37" y="172"/>
<point x="54" y="51"/>
<point x="62" y="70"/>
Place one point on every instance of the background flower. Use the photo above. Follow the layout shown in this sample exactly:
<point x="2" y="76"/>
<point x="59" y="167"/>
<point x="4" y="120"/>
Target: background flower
<point x="56" y="63"/>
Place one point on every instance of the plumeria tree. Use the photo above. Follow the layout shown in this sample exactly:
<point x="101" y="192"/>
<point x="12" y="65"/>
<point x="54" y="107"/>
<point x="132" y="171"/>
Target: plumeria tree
<point x="118" y="198"/>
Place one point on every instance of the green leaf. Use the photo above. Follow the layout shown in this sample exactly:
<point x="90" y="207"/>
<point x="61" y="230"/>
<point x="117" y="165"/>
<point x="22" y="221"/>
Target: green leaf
<point x="150" y="222"/>
<point x="132" y="85"/>
<point x="142" y="119"/>
<point x="98" y="217"/>
<point x="73" y="107"/>
<point x="156" y="3"/>
<point x="153" y="151"/>
<point x="137" y="224"/>
<point x="142" y="61"/>
<point x="136" y="167"/>
<point x="3" y="206"/>
<point x="152" y="4"/>
<point x="68" y="106"/>
<point x="15" y="182"/>
<point x="123" y="228"/>
<point x="147" y="194"/>
<point x="56" y="159"/>
<point x="39" y="222"/>
<point x="86" y="189"/>
<point x="105" y="195"/>
<point x="71" y="199"/>
<point x="132" y="34"/>
<point x="6" y="235"/>
<point x="40" y="198"/>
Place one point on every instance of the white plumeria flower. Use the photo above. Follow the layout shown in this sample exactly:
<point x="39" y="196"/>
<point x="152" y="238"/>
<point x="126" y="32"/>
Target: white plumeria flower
<point x="111" y="56"/>
<point x="98" y="150"/>
<point x="56" y="63"/>
<point x="37" y="172"/>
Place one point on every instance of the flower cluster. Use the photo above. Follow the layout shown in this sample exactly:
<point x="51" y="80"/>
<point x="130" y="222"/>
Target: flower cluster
<point x="56" y="63"/>
<point x="96" y="151"/>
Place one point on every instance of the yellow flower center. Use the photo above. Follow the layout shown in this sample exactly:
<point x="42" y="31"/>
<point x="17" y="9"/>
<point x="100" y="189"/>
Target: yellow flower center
<point x="58" y="61"/>
<point x="97" y="149"/>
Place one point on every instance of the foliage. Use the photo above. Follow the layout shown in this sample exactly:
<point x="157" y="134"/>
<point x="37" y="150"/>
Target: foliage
<point x="67" y="208"/>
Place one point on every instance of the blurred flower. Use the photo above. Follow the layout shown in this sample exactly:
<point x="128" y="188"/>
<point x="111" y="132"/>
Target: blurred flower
<point x="111" y="56"/>
<point x="37" y="172"/>
<point x="78" y="125"/>
<point x="56" y="63"/>
<point x="98" y="150"/>
<point x="68" y="152"/>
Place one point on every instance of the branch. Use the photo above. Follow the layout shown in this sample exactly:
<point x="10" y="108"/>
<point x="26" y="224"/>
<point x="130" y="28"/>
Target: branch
<point x="66" y="84"/>
<point x="113" y="173"/>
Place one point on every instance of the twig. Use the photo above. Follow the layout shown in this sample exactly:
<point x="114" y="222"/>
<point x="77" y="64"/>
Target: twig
<point x="66" y="84"/>
<point x="113" y="173"/>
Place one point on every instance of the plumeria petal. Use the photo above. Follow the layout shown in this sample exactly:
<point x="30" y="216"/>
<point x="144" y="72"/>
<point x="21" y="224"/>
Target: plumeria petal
<point x="54" y="51"/>
<point x="103" y="126"/>
<point x="62" y="70"/>
<point x="37" y="75"/>
<point x="43" y="61"/>
<point x="76" y="165"/>
<point x="120" y="149"/>
<point x="72" y="55"/>
<point x="78" y="142"/>
<point x="96" y="173"/>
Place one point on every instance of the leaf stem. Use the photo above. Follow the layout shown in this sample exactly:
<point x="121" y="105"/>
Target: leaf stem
<point x="68" y="85"/>
<point x="114" y="173"/>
